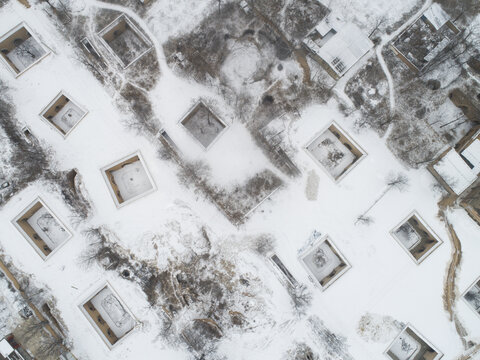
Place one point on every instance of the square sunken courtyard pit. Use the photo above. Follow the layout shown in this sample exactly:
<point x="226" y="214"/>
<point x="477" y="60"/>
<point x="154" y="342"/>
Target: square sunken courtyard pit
<point x="410" y="345"/>
<point x="203" y="124"/>
<point x="63" y="114"/>
<point x="334" y="151"/>
<point x="416" y="237"/>
<point x="108" y="315"/>
<point x="128" y="179"/>
<point x="126" y="43"/>
<point x="20" y="50"/>
<point x="324" y="262"/>
<point x="42" y="229"/>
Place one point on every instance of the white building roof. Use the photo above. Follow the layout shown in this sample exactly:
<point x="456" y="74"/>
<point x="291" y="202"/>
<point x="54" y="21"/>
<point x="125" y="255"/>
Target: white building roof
<point x="455" y="172"/>
<point x="345" y="48"/>
<point x="472" y="154"/>
<point x="5" y="348"/>
<point x="436" y="16"/>
<point x="323" y="28"/>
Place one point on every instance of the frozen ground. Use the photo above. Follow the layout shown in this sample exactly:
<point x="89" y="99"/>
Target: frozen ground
<point x="381" y="280"/>
<point x="368" y="14"/>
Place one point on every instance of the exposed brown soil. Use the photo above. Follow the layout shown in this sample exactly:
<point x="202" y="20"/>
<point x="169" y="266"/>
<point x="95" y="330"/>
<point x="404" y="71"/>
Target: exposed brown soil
<point x="24" y="3"/>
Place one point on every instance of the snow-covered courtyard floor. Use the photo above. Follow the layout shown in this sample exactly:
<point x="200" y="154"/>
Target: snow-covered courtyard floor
<point x="381" y="282"/>
<point x="331" y="153"/>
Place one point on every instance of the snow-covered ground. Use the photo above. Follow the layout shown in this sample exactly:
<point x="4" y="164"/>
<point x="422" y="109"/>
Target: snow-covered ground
<point x="382" y="280"/>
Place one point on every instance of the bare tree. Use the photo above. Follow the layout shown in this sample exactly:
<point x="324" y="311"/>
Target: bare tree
<point x="464" y="46"/>
<point x="52" y="347"/>
<point x="32" y="329"/>
<point x="380" y="21"/>
<point x="394" y="181"/>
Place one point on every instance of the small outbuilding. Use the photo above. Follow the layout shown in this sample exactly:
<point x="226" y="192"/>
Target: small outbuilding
<point x="458" y="168"/>
<point x="336" y="45"/>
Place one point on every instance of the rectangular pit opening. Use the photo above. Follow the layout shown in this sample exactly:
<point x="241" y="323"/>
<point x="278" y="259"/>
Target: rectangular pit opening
<point x="109" y="315"/>
<point x="41" y="228"/>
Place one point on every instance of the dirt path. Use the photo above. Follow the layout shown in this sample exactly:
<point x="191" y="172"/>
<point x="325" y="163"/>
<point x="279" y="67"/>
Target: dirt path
<point x="450" y="289"/>
<point x="449" y="293"/>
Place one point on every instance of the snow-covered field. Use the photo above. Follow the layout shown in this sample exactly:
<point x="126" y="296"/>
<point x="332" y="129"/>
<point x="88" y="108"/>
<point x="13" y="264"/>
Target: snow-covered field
<point x="382" y="283"/>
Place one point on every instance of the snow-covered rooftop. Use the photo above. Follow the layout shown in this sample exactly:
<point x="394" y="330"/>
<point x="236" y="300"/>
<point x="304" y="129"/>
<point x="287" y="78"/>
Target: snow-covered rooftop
<point x="436" y="16"/>
<point x="455" y="171"/>
<point x="344" y="48"/>
<point x="5" y="348"/>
